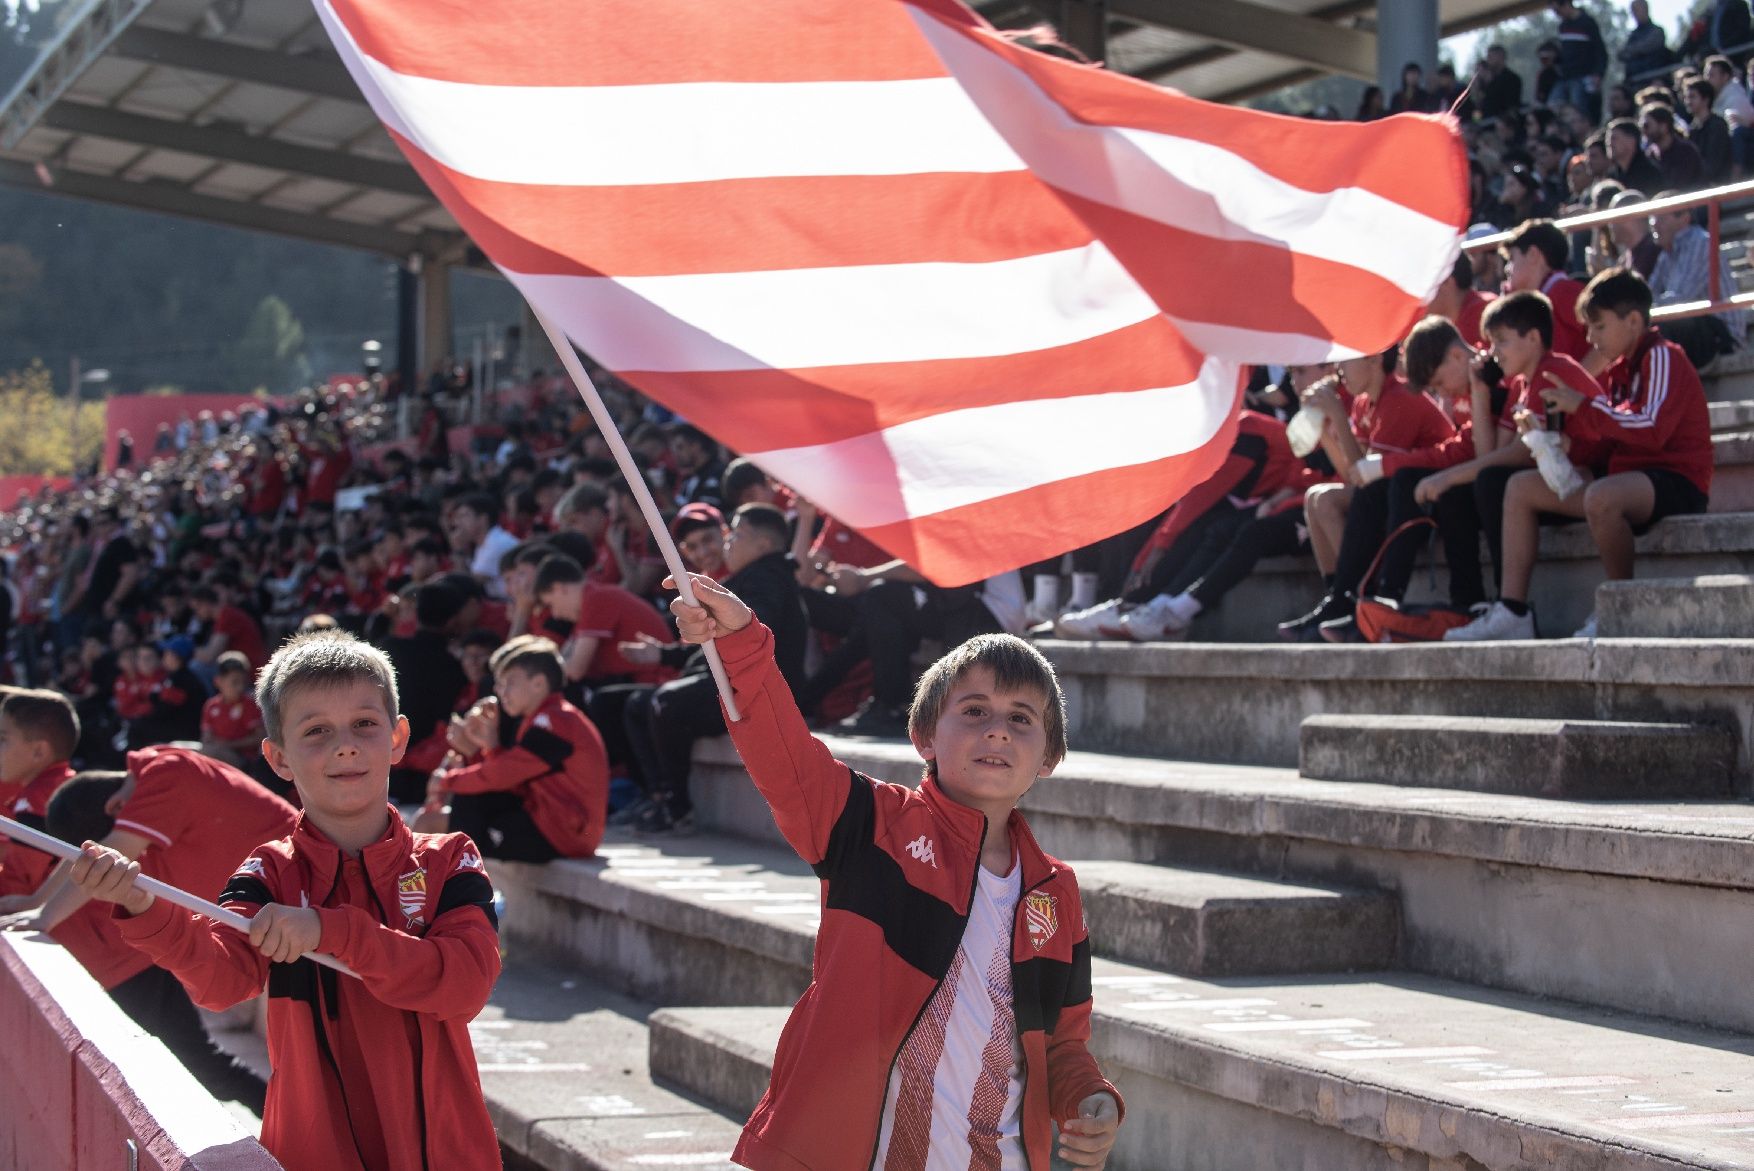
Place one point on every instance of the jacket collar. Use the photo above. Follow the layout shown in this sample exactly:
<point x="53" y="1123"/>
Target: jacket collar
<point x="547" y="707"/>
<point x="383" y="858"/>
<point x="967" y="826"/>
<point x="34" y="794"/>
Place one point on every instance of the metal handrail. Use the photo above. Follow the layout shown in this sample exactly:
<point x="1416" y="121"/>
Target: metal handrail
<point x="1712" y="199"/>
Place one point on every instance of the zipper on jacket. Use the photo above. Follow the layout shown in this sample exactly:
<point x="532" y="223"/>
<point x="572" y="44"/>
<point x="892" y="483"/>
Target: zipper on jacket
<point x="973" y="886"/>
<point x="1017" y="1031"/>
<point x="420" y="1053"/>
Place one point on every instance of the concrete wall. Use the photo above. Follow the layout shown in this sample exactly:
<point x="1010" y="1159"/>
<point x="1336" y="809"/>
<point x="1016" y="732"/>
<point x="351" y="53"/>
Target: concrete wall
<point x="83" y="1081"/>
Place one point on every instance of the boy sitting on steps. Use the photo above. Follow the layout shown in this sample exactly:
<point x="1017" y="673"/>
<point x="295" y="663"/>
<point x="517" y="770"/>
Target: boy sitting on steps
<point x="947" y="1023"/>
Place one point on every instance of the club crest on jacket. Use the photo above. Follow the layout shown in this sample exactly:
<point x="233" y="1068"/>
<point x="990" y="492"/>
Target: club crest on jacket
<point x="411" y="893"/>
<point x="1040" y="917"/>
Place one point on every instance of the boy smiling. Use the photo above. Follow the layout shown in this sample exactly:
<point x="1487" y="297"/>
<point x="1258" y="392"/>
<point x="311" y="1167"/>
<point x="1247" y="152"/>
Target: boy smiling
<point x="375" y="1073"/>
<point x="946" y="1027"/>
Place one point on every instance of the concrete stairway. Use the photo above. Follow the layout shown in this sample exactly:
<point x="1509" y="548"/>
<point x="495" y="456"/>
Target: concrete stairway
<point x="1708" y="606"/>
<point x="1588" y="759"/>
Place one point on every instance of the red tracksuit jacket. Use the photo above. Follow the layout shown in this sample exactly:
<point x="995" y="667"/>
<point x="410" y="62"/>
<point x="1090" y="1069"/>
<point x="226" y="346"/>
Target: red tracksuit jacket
<point x="891" y="924"/>
<point x="1654" y="414"/>
<point x="373" y="1074"/>
<point x="558" y="768"/>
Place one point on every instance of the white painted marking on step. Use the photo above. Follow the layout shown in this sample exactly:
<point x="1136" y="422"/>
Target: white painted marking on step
<point x="711" y="884"/>
<point x="1544" y="1083"/>
<point x="704" y="1159"/>
<point x="1286" y="1025"/>
<point x="1404" y="1052"/>
<point x="1132" y="981"/>
<point x="534" y="1067"/>
<point x="473" y="1025"/>
<point x="809" y="908"/>
<point x="654" y="872"/>
<point x="760" y="896"/>
<point x="1208" y="1004"/>
<point x="1681" y="1121"/>
<point x="614" y="1105"/>
<point x="634" y="863"/>
<point x="668" y="1133"/>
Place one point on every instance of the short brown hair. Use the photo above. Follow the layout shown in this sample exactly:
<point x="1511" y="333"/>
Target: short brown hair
<point x="321" y="658"/>
<point x="1427" y="346"/>
<point x="1016" y="666"/>
<point x="533" y="654"/>
<point x="1521" y="312"/>
<point x="40" y="714"/>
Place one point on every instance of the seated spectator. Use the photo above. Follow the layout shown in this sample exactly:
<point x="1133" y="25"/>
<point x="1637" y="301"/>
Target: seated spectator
<point x="527" y="779"/>
<point x="699" y="533"/>
<point x="1677" y="160"/>
<point x="745" y="483"/>
<point x="663" y="723"/>
<point x="1386" y="418"/>
<point x="591" y="621"/>
<point x="1655" y="429"/>
<point x="1708" y="132"/>
<point x="228" y="628"/>
<point x="699" y="467"/>
<point x="1457" y="301"/>
<point x="231" y="723"/>
<point x="1631" y="168"/>
<point x="141" y="673"/>
<point x="1535" y="261"/>
<point x="478" y="541"/>
<point x="1629" y="243"/>
<point x="188" y="820"/>
<point x="1732" y="104"/>
<point x="476" y="650"/>
<point x="435" y="683"/>
<point x="1682" y="275"/>
<point x="1412" y="97"/>
<point x="175" y="701"/>
<point x="1260" y="479"/>
<point x="1520" y="328"/>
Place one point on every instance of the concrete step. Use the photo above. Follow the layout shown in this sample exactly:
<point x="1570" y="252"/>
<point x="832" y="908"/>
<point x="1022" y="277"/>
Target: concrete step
<point x="1734" y="415"/>
<point x="1582" y="759"/>
<point x="1361" y="1073"/>
<point x="564" y="1067"/>
<point x="1709" y="606"/>
<point x="1563" y="592"/>
<point x="1636" y="905"/>
<point x="1214" y="924"/>
<point x="1245" y="704"/>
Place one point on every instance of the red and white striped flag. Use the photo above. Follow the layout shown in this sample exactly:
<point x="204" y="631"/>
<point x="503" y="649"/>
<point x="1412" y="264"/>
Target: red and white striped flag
<point x="982" y="304"/>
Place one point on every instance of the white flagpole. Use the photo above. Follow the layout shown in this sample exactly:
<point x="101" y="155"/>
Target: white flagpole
<point x="642" y="491"/>
<point x="152" y="886"/>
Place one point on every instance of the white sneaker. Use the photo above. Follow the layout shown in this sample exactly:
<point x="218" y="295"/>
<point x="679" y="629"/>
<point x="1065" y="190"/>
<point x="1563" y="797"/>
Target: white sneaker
<point x="1088" y="624"/>
<point x="1588" y="629"/>
<point x="1497" y="624"/>
<point x="1155" y="621"/>
<point x="1034" y="615"/>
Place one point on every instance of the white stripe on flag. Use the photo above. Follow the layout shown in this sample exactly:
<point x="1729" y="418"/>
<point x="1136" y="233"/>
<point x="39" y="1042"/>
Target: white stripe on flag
<point x="1289" y="349"/>
<point x="606" y="136"/>
<point x="856" y="315"/>
<point x="958" y="458"/>
<point x="1192" y="185"/>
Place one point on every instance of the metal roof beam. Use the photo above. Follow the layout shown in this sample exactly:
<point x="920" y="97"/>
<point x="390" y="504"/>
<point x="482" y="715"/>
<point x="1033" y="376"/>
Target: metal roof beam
<point x="234" y="146"/>
<point x="1244" y="25"/>
<point x="320" y="76"/>
<point x="174" y="199"/>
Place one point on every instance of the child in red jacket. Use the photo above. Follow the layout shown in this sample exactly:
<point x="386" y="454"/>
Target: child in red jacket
<point x="537" y="785"/>
<point x="374" y="1072"/>
<point x="950" y="1009"/>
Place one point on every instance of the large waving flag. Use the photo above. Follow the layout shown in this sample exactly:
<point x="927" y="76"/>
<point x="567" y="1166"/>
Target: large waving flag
<point x="983" y="304"/>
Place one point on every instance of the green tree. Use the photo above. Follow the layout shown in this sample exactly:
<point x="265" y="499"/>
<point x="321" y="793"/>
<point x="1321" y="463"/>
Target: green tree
<point x="40" y="437"/>
<point x="271" y="352"/>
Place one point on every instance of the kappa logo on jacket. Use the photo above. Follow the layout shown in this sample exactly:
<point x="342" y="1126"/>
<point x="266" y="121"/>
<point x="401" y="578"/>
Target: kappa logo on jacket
<point x="251" y="866"/>
<point x="923" y="850"/>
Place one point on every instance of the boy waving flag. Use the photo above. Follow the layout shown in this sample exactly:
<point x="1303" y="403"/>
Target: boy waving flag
<point x="981" y="304"/>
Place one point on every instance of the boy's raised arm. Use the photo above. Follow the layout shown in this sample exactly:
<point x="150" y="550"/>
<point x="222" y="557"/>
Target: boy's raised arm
<point x="803" y="783"/>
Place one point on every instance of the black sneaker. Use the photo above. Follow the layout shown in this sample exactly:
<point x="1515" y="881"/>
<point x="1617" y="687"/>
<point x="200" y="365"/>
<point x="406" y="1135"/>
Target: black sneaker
<point x="1343" y="629"/>
<point x="654" y="821"/>
<point x="1308" y="627"/>
<point x="631" y="813"/>
<point x="873" y="719"/>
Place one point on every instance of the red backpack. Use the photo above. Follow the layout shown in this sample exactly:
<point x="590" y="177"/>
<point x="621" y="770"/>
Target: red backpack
<point x="1386" y="620"/>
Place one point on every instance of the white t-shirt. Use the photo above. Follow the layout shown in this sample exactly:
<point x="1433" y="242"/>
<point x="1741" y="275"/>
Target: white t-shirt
<point x="485" y="564"/>
<point x="956" y="1091"/>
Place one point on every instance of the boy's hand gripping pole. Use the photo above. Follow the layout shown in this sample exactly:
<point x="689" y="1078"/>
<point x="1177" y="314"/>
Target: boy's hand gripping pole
<point x="54" y="846"/>
<point x="642" y="492"/>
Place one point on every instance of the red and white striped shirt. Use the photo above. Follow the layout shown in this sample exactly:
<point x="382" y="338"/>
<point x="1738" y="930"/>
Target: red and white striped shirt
<point x="957" y="1086"/>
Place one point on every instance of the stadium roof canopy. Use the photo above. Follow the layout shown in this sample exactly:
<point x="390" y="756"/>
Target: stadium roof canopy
<point x="238" y="111"/>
